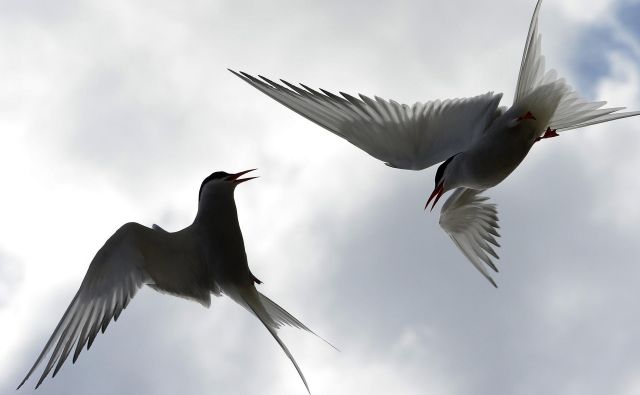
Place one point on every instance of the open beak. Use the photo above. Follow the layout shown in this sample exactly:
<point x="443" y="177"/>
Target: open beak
<point x="235" y="177"/>
<point x="437" y="192"/>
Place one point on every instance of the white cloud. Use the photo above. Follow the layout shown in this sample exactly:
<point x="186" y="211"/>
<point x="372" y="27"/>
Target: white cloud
<point x="10" y="278"/>
<point x="591" y="13"/>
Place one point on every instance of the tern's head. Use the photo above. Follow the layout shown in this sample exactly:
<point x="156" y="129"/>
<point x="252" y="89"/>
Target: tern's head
<point x="222" y="182"/>
<point x="443" y="181"/>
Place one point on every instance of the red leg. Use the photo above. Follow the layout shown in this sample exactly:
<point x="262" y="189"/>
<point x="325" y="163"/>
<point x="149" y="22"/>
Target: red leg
<point x="547" y="134"/>
<point x="528" y="115"/>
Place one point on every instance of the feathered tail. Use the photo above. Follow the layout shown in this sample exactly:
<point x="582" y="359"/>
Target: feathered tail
<point x="272" y="317"/>
<point x="572" y="111"/>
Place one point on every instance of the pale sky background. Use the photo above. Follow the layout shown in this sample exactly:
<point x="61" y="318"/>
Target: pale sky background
<point x="115" y="111"/>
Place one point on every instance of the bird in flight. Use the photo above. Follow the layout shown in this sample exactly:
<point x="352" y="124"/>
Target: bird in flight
<point x="478" y="142"/>
<point x="207" y="257"/>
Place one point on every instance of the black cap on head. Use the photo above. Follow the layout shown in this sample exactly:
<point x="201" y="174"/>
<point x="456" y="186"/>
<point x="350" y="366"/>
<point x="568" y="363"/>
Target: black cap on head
<point x="232" y="179"/>
<point x="440" y="171"/>
<point x="218" y="175"/>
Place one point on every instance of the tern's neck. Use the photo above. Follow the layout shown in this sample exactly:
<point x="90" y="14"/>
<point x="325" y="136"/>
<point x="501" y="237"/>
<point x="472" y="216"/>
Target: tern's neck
<point x="216" y="206"/>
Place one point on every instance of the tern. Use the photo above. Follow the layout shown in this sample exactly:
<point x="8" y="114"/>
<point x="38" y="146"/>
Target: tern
<point x="207" y="257"/>
<point x="478" y="142"/>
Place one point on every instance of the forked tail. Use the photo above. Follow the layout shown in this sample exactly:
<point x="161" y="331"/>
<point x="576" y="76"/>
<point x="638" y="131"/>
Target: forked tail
<point x="572" y="111"/>
<point x="272" y="317"/>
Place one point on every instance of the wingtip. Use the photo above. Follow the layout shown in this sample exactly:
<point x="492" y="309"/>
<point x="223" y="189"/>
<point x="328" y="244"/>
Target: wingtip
<point x="490" y="279"/>
<point x="24" y="380"/>
<point x="332" y="346"/>
<point x="246" y="76"/>
<point x="237" y="74"/>
<point x="324" y="340"/>
<point x="21" y="384"/>
<point x="40" y="381"/>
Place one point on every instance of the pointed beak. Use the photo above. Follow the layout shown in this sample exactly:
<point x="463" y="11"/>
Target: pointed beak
<point x="235" y="177"/>
<point x="437" y="192"/>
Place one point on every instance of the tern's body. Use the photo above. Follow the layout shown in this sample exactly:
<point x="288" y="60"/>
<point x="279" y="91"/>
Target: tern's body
<point x="500" y="150"/>
<point x="486" y="164"/>
<point x="217" y="230"/>
<point x="206" y="257"/>
<point x="479" y="142"/>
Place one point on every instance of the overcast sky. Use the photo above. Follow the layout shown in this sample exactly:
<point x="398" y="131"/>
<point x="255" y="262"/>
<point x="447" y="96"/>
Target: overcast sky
<point x="115" y="111"/>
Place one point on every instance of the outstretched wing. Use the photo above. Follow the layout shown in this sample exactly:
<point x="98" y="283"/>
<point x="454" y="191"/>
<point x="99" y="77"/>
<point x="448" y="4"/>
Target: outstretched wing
<point x="472" y="225"/>
<point x="113" y="278"/>
<point x="407" y="137"/>
<point x="573" y="111"/>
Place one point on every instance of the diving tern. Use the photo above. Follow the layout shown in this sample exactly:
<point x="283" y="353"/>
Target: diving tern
<point x="478" y="142"/>
<point x="207" y="257"/>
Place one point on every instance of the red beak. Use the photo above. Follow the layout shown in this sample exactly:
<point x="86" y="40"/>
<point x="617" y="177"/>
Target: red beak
<point x="234" y="177"/>
<point x="437" y="192"/>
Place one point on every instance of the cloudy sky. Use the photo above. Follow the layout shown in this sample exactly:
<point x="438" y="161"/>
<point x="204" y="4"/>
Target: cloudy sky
<point x="115" y="111"/>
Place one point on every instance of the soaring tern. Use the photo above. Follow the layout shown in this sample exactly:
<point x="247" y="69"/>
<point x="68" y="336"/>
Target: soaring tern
<point x="478" y="142"/>
<point x="204" y="258"/>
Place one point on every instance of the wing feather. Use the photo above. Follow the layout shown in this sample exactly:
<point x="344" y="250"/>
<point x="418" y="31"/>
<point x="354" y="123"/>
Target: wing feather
<point x="471" y="223"/>
<point x="113" y="278"/>
<point x="407" y="137"/>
